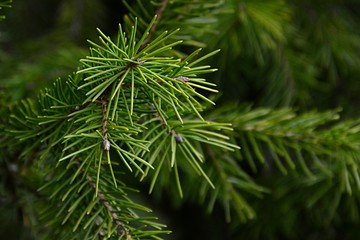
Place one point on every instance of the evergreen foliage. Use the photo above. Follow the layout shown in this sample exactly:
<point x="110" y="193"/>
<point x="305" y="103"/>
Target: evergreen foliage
<point x="140" y="123"/>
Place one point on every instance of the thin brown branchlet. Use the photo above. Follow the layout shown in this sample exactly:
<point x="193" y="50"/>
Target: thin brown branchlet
<point x="104" y="130"/>
<point x="115" y="217"/>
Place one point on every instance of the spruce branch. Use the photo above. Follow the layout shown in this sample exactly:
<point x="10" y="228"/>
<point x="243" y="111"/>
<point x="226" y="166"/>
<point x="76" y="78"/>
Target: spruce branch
<point x="107" y="214"/>
<point x="313" y="149"/>
<point x="139" y="108"/>
<point x="128" y="107"/>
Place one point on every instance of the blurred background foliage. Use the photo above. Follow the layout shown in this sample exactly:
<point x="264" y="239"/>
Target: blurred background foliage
<point x="280" y="62"/>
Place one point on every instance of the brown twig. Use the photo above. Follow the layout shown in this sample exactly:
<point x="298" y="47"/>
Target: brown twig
<point x="159" y="12"/>
<point x="104" y="131"/>
<point x="121" y="227"/>
<point x="100" y="195"/>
